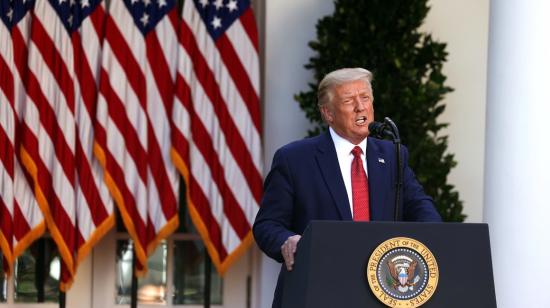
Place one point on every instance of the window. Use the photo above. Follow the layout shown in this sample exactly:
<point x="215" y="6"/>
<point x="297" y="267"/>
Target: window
<point x="191" y="267"/>
<point x="3" y="282"/>
<point x="35" y="276"/>
<point x="36" y="273"/>
<point x="180" y="271"/>
<point x="189" y="270"/>
<point x="151" y="287"/>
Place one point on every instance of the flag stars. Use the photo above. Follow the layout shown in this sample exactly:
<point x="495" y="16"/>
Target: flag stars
<point x="144" y="19"/>
<point x="204" y="3"/>
<point x="62" y="1"/>
<point x="216" y="22"/>
<point x="70" y="20"/>
<point x="10" y="14"/>
<point x="72" y="2"/>
<point x="232" y="5"/>
<point x="218" y="4"/>
<point x="85" y="3"/>
<point x="147" y="13"/>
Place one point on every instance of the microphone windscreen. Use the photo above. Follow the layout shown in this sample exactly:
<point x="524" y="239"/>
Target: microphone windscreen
<point x="376" y="128"/>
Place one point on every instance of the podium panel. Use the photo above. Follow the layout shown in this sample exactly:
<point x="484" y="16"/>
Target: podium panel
<point x="331" y="262"/>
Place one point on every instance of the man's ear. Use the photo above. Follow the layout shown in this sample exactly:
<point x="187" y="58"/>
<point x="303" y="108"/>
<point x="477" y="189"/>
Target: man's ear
<point x="326" y="113"/>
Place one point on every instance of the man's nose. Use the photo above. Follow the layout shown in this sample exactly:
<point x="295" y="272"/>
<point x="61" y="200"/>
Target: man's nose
<point x="359" y="105"/>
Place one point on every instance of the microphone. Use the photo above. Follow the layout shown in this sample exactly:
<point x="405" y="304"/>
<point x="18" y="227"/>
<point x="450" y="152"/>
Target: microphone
<point x="389" y="129"/>
<point x="380" y="130"/>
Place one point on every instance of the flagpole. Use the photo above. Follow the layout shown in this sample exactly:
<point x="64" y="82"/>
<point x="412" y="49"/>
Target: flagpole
<point x="133" y="291"/>
<point x="62" y="294"/>
<point x="62" y="299"/>
<point x="40" y="269"/>
<point x="207" y="280"/>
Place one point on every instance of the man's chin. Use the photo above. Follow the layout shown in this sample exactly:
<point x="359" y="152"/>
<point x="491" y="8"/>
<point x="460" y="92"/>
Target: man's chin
<point x="358" y="138"/>
<point x="362" y="134"/>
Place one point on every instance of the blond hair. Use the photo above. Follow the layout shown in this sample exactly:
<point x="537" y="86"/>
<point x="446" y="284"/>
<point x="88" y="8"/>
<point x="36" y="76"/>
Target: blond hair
<point x="338" y="77"/>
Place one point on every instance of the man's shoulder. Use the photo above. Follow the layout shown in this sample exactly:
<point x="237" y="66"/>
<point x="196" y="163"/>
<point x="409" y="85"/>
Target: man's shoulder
<point x="303" y="145"/>
<point x="381" y="145"/>
<point x="307" y="143"/>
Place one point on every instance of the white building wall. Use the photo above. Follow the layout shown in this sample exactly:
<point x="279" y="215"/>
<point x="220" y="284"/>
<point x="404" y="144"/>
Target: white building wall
<point x="289" y="26"/>
<point x="464" y="26"/>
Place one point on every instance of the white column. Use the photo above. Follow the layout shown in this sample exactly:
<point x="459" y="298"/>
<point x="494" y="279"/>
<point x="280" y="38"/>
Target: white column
<point x="517" y="156"/>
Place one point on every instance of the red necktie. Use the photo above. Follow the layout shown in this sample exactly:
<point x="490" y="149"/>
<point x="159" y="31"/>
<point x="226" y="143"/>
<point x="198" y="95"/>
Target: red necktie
<point x="359" y="187"/>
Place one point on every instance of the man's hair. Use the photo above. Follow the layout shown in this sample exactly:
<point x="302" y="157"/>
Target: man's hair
<point x="338" y="77"/>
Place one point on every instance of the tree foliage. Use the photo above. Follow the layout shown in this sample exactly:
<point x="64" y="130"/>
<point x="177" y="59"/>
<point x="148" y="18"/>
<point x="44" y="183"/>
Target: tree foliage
<point x="384" y="37"/>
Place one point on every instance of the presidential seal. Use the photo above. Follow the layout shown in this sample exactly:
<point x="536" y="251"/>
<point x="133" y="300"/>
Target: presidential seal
<point x="402" y="272"/>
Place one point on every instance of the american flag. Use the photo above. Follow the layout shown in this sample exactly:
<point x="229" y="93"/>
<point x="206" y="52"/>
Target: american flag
<point x="75" y="81"/>
<point x="63" y="58"/>
<point x="136" y="98"/>
<point x="217" y="135"/>
<point x="21" y="220"/>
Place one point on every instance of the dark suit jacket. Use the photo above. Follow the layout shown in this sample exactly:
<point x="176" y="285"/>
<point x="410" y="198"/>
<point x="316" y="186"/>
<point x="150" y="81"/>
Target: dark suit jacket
<point x="305" y="183"/>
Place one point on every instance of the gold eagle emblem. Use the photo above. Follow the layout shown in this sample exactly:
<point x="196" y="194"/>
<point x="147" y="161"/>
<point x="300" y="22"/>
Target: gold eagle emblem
<point x="402" y="272"/>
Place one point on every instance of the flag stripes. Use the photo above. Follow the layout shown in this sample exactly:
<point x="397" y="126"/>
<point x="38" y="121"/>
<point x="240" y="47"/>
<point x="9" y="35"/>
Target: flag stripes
<point x="21" y="222"/>
<point x="94" y="209"/>
<point x="57" y="152"/>
<point x="7" y="136"/>
<point x="232" y="124"/>
<point x="130" y="106"/>
<point x="218" y="94"/>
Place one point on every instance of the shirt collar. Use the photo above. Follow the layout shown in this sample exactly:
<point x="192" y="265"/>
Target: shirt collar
<point x="343" y="146"/>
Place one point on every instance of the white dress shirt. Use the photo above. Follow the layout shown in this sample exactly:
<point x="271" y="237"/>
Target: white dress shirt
<point x="343" y="151"/>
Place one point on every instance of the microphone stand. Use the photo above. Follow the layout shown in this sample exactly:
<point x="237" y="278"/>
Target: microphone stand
<point x="399" y="183"/>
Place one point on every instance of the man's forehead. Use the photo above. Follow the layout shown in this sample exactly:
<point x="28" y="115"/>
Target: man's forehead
<point x="353" y="87"/>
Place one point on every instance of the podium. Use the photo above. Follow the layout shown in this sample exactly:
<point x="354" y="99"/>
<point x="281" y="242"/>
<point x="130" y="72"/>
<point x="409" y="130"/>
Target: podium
<point x="332" y="259"/>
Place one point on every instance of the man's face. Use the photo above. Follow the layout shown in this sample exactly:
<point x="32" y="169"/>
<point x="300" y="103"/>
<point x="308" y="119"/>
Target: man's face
<point x="350" y="111"/>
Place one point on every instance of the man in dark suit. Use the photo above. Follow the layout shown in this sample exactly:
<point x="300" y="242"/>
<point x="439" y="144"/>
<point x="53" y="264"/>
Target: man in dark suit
<point x="325" y="178"/>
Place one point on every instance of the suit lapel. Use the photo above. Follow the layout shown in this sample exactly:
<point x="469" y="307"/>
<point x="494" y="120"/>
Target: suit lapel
<point x="330" y="169"/>
<point x="378" y="166"/>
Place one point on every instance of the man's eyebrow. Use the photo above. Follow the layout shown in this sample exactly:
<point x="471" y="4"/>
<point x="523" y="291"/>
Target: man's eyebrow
<point x="353" y="92"/>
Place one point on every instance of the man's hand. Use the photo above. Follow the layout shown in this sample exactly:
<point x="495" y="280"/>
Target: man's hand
<point x="288" y="249"/>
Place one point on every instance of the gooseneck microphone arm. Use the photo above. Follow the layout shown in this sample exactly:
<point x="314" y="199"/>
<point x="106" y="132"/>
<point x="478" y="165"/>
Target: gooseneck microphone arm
<point x="389" y="129"/>
<point x="399" y="182"/>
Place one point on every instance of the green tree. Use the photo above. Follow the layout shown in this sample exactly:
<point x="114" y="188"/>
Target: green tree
<point x="384" y="37"/>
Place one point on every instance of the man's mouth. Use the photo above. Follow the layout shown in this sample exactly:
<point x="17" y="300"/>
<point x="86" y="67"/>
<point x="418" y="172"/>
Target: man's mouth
<point x="361" y="120"/>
